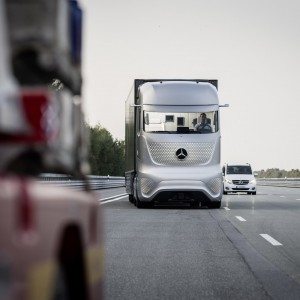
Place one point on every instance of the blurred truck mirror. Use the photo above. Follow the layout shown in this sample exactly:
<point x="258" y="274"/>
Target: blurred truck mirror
<point x="224" y="105"/>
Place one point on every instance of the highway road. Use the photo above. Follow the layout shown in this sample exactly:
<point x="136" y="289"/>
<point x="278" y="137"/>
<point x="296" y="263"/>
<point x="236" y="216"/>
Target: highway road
<point x="248" y="249"/>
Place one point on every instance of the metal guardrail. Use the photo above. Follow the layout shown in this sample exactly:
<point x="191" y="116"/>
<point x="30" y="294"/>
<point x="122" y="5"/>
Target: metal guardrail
<point x="103" y="182"/>
<point x="95" y="182"/>
<point x="281" y="182"/>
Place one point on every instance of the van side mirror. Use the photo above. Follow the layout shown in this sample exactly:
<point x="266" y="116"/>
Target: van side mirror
<point x="223" y="171"/>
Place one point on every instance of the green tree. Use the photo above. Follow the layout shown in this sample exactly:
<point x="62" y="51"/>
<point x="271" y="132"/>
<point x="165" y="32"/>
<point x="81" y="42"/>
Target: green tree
<point x="106" y="155"/>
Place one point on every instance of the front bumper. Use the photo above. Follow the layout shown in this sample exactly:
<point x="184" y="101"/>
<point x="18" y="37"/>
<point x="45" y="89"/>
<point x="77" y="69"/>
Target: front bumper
<point x="149" y="189"/>
<point x="233" y="188"/>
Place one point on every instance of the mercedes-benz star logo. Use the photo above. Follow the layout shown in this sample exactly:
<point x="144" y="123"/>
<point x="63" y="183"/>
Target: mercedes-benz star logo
<point x="181" y="153"/>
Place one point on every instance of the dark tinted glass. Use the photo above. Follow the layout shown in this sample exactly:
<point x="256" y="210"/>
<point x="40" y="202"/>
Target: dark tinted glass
<point x="239" y="170"/>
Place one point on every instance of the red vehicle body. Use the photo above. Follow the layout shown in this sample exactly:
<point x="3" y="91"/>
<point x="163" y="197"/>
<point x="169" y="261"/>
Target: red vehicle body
<point x="50" y="237"/>
<point x="50" y="242"/>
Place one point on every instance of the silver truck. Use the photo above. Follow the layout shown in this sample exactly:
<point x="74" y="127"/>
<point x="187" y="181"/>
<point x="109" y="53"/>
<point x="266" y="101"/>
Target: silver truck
<point x="173" y="143"/>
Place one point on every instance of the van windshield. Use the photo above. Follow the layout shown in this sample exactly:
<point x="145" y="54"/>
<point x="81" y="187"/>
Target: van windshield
<point x="239" y="170"/>
<point x="187" y="122"/>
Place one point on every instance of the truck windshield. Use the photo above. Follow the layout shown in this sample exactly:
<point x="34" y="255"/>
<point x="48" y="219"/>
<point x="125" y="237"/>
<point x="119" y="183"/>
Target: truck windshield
<point x="188" y="122"/>
<point x="239" y="170"/>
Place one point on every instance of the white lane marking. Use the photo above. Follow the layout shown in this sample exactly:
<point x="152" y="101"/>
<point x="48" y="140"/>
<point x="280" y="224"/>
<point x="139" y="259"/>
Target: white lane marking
<point x="282" y="196"/>
<point x="240" y="218"/>
<point x="270" y="239"/>
<point x="112" y="200"/>
<point x="112" y="197"/>
<point x="227" y="208"/>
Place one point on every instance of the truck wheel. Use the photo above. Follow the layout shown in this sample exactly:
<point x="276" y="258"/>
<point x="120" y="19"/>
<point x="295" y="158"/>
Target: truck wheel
<point x="214" y="204"/>
<point x="60" y="289"/>
<point x="131" y="198"/>
<point x="71" y="266"/>
<point x="139" y="204"/>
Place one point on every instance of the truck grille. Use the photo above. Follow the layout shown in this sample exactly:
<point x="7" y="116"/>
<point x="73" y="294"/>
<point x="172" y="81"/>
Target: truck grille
<point x="240" y="182"/>
<point x="165" y="153"/>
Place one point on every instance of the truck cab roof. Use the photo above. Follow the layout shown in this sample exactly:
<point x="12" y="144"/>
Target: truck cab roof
<point x="187" y="93"/>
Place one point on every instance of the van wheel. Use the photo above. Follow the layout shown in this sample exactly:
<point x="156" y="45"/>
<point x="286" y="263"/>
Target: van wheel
<point x="224" y="192"/>
<point x="254" y="193"/>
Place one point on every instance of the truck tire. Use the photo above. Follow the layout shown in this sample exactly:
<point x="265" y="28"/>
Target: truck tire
<point x="140" y="204"/>
<point x="72" y="266"/>
<point x="214" y="204"/>
<point x="60" y="288"/>
<point x="131" y="198"/>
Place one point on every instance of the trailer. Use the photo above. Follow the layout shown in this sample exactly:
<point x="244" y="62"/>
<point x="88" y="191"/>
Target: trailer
<point x="173" y="143"/>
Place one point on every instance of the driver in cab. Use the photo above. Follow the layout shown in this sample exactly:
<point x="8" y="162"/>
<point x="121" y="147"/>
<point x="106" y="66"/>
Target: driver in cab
<point x="204" y="125"/>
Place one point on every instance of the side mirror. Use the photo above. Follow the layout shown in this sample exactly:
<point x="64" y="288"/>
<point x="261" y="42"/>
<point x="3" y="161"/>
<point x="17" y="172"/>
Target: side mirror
<point x="223" y="105"/>
<point x="147" y="119"/>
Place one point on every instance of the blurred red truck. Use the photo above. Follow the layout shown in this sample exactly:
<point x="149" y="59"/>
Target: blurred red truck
<point x="50" y="237"/>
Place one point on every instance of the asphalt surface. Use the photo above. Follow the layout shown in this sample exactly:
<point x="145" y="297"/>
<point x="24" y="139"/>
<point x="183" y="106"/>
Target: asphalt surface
<point x="248" y="249"/>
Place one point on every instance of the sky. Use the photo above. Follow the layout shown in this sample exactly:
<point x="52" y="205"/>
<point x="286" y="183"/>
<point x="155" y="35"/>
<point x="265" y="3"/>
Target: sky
<point x="251" y="47"/>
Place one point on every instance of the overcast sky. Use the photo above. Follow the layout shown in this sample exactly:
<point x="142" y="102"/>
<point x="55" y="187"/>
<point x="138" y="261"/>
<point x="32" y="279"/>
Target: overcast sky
<point x="251" y="47"/>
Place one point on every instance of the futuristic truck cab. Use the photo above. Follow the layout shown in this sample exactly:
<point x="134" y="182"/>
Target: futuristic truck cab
<point x="173" y="143"/>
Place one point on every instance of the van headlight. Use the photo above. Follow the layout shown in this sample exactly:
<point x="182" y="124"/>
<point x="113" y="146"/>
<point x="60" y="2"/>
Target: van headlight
<point x="228" y="180"/>
<point x="253" y="181"/>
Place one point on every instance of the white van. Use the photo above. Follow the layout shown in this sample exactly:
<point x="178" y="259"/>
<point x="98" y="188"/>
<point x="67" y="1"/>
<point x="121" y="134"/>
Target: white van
<point x="238" y="178"/>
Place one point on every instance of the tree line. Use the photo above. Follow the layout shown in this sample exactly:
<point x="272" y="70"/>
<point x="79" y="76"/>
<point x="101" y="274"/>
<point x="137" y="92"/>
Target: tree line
<point x="277" y="173"/>
<point x="106" y="154"/>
